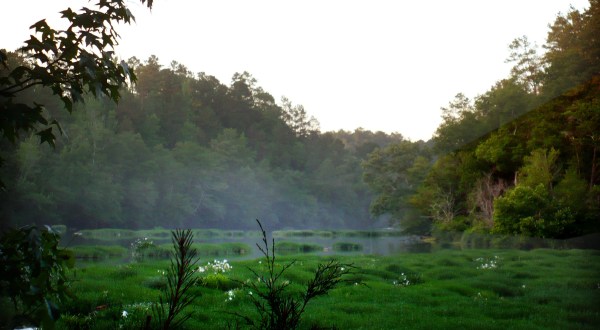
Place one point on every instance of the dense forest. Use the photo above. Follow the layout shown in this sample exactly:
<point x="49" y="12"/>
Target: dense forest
<point x="185" y="150"/>
<point x="522" y="158"/>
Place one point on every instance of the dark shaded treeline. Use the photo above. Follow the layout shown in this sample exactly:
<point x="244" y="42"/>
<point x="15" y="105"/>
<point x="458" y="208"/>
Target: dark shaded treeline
<point x="184" y="150"/>
<point x="523" y="158"/>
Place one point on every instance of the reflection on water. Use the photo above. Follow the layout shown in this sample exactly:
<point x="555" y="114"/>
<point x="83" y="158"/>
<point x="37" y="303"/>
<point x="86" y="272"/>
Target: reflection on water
<point x="379" y="245"/>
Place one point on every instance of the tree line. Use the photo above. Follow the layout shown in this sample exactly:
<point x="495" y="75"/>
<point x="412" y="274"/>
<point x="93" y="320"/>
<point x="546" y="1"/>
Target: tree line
<point x="184" y="150"/>
<point x="522" y="158"/>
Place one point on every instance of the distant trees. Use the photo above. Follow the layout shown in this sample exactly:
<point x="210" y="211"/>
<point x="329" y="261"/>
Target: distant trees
<point x="297" y="119"/>
<point x="394" y="173"/>
<point x="184" y="150"/>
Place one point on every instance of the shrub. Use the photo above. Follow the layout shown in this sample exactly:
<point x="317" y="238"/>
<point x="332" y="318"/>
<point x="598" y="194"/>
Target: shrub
<point x="180" y="279"/>
<point x="32" y="275"/>
<point x="532" y="212"/>
<point x="277" y="308"/>
<point x="519" y="211"/>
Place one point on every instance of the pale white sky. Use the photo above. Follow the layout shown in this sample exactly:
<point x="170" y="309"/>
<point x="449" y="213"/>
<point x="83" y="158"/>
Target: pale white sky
<point x="380" y="65"/>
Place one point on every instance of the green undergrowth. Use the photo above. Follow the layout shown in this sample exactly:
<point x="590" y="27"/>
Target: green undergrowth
<point x="448" y="289"/>
<point x="99" y="252"/>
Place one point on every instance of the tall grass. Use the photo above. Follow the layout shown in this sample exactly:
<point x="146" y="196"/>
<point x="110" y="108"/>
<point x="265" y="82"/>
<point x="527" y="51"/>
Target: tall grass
<point x="448" y="289"/>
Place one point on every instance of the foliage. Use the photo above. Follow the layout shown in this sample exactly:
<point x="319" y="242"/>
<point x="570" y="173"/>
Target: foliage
<point x="140" y="246"/>
<point x="572" y="191"/>
<point x="69" y="62"/>
<point x="279" y="309"/>
<point x="552" y="287"/>
<point x="533" y="212"/>
<point x="173" y="148"/>
<point x="181" y="278"/>
<point x="535" y="128"/>
<point x="539" y="168"/>
<point x="33" y="276"/>
<point x="394" y="173"/>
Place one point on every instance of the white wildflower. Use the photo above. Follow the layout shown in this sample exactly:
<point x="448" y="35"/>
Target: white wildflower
<point x="216" y="266"/>
<point x="230" y="295"/>
<point x="488" y="263"/>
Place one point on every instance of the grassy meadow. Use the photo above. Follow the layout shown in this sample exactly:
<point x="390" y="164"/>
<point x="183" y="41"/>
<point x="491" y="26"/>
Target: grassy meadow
<point x="447" y="289"/>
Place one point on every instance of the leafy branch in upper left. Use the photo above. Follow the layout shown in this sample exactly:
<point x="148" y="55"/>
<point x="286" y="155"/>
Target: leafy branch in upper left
<point x="69" y="62"/>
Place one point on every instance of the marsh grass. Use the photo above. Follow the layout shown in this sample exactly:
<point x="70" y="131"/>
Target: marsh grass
<point x="537" y="289"/>
<point x="99" y="252"/>
<point x="296" y="248"/>
<point x="162" y="251"/>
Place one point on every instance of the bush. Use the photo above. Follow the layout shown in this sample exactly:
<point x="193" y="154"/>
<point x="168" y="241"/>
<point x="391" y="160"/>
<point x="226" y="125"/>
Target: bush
<point x="531" y="211"/>
<point x="277" y="308"/>
<point x="520" y="211"/>
<point x="458" y="223"/>
<point x="32" y="276"/>
<point x="218" y="281"/>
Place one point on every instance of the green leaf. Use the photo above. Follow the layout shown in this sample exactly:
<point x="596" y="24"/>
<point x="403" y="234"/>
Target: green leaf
<point x="68" y="14"/>
<point x="19" y="72"/>
<point x="39" y="25"/>
<point x="47" y="136"/>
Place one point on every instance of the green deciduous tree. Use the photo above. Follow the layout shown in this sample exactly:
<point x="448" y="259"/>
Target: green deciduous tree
<point x="523" y="210"/>
<point x="394" y="173"/>
<point x="540" y="168"/>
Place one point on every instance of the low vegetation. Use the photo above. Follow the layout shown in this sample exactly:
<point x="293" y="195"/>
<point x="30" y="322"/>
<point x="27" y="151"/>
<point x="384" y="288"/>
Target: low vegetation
<point x="110" y="234"/>
<point x="450" y="289"/>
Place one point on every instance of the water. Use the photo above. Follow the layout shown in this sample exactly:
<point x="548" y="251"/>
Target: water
<point x="380" y="245"/>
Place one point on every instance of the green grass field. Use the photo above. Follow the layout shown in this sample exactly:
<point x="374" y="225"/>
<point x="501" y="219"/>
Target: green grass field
<point x="460" y="289"/>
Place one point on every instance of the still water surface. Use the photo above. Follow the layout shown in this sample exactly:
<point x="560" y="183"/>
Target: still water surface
<point x="377" y="245"/>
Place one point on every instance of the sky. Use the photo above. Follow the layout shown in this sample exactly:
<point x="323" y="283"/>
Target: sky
<point x="379" y="65"/>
